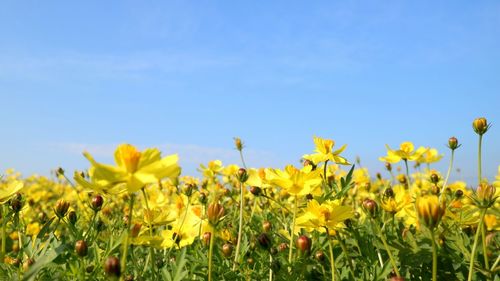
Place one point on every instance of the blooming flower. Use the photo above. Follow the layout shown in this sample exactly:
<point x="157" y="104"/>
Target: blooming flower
<point x="324" y="152"/>
<point x="134" y="170"/>
<point x="406" y="151"/>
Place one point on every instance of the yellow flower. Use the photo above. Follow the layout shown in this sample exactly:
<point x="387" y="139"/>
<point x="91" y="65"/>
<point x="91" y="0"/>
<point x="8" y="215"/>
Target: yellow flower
<point x="405" y="152"/>
<point x="430" y="210"/>
<point x="324" y="152"/>
<point x="8" y="189"/>
<point x="213" y="168"/>
<point x="395" y="200"/>
<point x="328" y="214"/>
<point x="134" y="170"/>
<point x="295" y="181"/>
<point x="428" y="156"/>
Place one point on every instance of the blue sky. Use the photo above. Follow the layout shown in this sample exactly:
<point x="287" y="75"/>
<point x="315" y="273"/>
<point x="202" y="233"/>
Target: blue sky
<point x="188" y="76"/>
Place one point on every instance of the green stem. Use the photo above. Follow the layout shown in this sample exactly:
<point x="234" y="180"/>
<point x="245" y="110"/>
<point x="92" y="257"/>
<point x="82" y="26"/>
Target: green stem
<point x="240" y="229"/>
<point x="434" y="257"/>
<point x="332" y="259"/>
<point x="407" y="173"/>
<point x="346" y="254"/>
<point x="4" y="233"/>
<point x="292" y="229"/>
<point x="448" y="173"/>
<point x="386" y="246"/>
<point x="242" y="159"/>
<point x="151" y="250"/>
<point x="485" y="249"/>
<point x="210" y="252"/>
<point x="479" y="159"/>
<point x="125" y="245"/>
<point x="270" y="267"/>
<point x="324" y="172"/>
<point x="474" y="247"/>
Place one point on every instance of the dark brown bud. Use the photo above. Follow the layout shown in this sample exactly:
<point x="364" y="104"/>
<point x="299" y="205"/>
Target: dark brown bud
<point x="112" y="267"/>
<point x="320" y="256"/>
<point x="389" y="192"/>
<point x="370" y="207"/>
<point x="96" y="202"/>
<point x="61" y="208"/>
<point x="242" y="175"/>
<point x="16" y="203"/>
<point x="388" y="166"/>
<point x="459" y="193"/>
<point x="266" y="226"/>
<point x="227" y="250"/>
<point x="81" y="248"/>
<point x="255" y="190"/>
<point x="282" y="247"/>
<point x="135" y="230"/>
<point x="203" y="198"/>
<point x="434" y="178"/>
<point x="60" y="171"/>
<point x="453" y="143"/>
<point x="303" y="243"/>
<point x="72" y="218"/>
<point x="206" y="238"/>
<point x="264" y="241"/>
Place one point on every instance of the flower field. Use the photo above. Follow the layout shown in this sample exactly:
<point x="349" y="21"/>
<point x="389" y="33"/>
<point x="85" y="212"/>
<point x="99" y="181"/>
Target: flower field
<point x="328" y="218"/>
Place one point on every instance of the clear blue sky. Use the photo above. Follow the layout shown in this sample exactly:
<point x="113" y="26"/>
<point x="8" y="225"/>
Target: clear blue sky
<point x="188" y="76"/>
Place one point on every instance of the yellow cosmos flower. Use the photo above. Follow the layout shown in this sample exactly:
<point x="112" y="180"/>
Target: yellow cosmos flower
<point x="396" y="199"/>
<point x="295" y="181"/>
<point x="329" y="214"/>
<point x="428" y="156"/>
<point x="324" y="152"/>
<point x="430" y="210"/>
<point x="406" y="151"/>
<point x="134" y="170"/>
<point x="213" y="168"/>
<point x="8" y="189"/>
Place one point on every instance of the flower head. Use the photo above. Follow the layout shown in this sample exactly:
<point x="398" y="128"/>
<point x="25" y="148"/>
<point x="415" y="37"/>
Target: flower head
<point x="406" y="151"/>
<point x="324" y="152"/>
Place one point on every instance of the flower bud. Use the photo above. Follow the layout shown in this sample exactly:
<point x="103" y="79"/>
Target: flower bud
<point x="430" y="210"/>
<point x="203" y="198"/>
<point x="81" y="248"/>
<point x="215" y="213"/>
<point x="61" y="208"/>
<point x="434" y="178"/>
<point x="255" y="190"/>
<point x="453" y="143"/>
<point x="388" y="166"/>
<point x="264" y="241"/>
<point x="480" y="125"/>
<point x="303" y="243"/>
<point x="486" y="193"/>
<point x="16" y="203"/>
<point x="238" y="144"/>
<point x="136" y="228"/>
<point x="389" y="192"/>
<point x="112" y="267"/>
<point x="206" y="238"/>
<point x="319" y="256"/>
<point x="72" y="218"/>
<point x="266" y="226"/>
<point x="458" y="194"/>
<point x="242" y="175"/>
<point x="282" y="247"/>
<point x="188" y="189"/>
<point x="60" y="171"/>
<point x="227" y="250"/>
<point x="96" y="202"/>
<point x="370" y="206"/>
<point x="379" y="176"/>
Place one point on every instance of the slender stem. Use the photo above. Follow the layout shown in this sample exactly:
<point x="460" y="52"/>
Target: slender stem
<point x="240" y="229"/>
<point x="324" y="171"/>
<point x="4" y="232"/>
<point x="210" y="252"/>
<point x="270" y="267"/>
<point x="449" y="172"/>
<point x="474" y="247"/>
<point x="485" y="249"/>
<point x="479" y="175"/>
<point x="332" y="259"/>
<point x="386" y="246"/>
<point x="495" y="263"/>
<point x="346" y="254"/>
<point x="292" y="230"/>
<point x="434" y="257"/>
<point x="242" y="159"/>
<point x="125" y="244"/>
<point x="151" y="250"/>
<point x="407" y="173"/>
